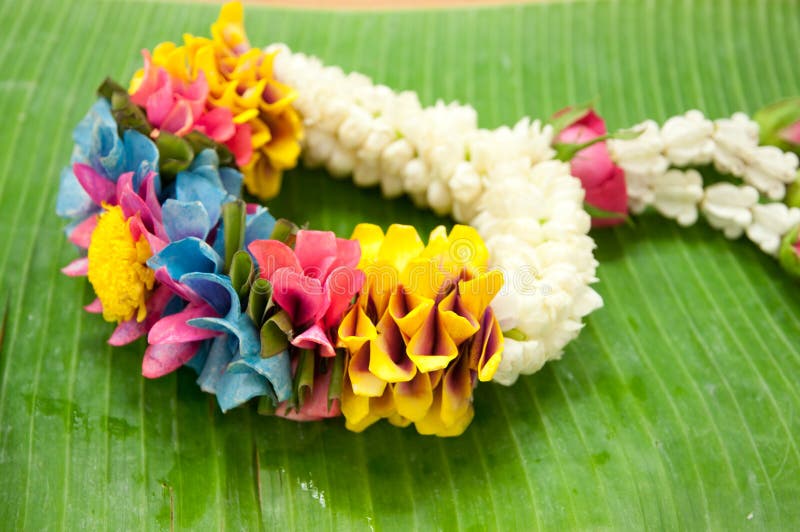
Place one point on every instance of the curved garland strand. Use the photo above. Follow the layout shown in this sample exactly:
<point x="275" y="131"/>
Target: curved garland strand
<point x="382" y="325"/>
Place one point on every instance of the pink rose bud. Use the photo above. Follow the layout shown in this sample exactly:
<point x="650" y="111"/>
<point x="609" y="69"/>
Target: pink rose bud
<point x="603" y="181"/>
<point x="779" y="124"/>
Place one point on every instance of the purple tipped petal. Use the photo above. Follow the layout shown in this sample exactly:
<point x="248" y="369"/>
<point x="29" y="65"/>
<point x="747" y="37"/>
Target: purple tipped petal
<point x="303" y="298"/>
<point x="312" y="337"/>
<point x="342" y="284"/>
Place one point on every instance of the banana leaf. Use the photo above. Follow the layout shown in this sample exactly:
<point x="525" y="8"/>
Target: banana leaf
<point x="677" y="408"/>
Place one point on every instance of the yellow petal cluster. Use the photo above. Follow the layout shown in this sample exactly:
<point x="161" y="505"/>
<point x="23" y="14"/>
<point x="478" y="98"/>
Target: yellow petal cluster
<point x="422" y="331"/>
<point x="117" y="267"/>
<point x="240" y="78"/>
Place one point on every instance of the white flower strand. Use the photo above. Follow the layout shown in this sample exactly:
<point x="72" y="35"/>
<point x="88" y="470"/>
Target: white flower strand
<point x="525" y="205"/>
<point x="731" y="144"/>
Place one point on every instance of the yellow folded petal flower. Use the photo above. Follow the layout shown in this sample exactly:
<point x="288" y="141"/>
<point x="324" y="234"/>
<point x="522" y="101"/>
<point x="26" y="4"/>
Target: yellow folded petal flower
<point x="421" y="330"/>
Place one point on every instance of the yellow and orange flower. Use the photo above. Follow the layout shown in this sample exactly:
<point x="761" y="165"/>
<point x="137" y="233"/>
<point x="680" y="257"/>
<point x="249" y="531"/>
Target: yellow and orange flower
<point x="422" y="331"/>
<point x="240" y="78"/>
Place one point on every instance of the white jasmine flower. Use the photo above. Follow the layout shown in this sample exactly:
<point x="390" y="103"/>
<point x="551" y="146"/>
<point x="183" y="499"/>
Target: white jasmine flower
<point x="770" y="222"/>
<point x="687" y="139"/>
<point x="341" y="162"/>
<point x="677" y="194"/>
<point x="770" y="170"/>
<point x="465" y="184"/>
<point x="728" y="207"/>
<point x="366" y="174"/>
<point x="379" y="137"/>
<point x="355" y="128"/>
<point x="439" y="197"/>
<point x="415" y="176"/>
<point x="734" y="140"/>
<point x="396" y="155"/>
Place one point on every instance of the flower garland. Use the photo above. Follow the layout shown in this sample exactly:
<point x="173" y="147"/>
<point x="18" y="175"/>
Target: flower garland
<point x="382" y="325"/>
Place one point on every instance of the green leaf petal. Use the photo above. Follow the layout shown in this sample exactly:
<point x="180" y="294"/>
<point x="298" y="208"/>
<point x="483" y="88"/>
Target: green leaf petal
<point x="234" y="216"/>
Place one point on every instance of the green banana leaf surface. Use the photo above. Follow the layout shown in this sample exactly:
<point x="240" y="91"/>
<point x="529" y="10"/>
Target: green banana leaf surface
<point x="678" y="406"/>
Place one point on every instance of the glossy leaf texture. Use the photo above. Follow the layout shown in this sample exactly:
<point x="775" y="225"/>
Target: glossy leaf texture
<point x="678" y="407"/>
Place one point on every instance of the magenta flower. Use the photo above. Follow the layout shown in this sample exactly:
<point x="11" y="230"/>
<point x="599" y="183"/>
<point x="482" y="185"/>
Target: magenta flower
<point x="179" y="107"/>
<point x="603" y="181"/>
<point x="314" y="283"/>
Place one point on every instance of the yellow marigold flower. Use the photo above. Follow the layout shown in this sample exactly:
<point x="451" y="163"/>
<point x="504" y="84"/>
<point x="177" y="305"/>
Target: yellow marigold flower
<point x="422" y="331"/>
<point x="241" y="79"/>
<point x="117" y="267"/>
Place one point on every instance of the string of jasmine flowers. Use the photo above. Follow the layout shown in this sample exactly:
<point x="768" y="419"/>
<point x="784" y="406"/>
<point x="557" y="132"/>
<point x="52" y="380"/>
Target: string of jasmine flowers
<point x="504" y="182"/>
<point x="660" y="172"/>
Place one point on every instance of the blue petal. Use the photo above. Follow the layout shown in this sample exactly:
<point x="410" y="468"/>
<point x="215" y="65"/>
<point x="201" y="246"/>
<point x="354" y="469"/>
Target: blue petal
<point x="215" y="364"/>
<point x="259" y="226"/>
<point x="207" y="157"/>
<point x="235" y="389"/>
<point x="141" y="156"/>
<point x="187" y="256"/>
<point x="72" y="200"/>
<point x="277" y="370"/>
<point x="207" y="189"/>
<point x="198" y="361"/>
<point x="184" y="219"/>
<point x="243" y="330"/>
<point x="107" y="153"/>
<point x="231" y="180"/>
<point x="217" y="291"/>
<point x="100" y="112"/>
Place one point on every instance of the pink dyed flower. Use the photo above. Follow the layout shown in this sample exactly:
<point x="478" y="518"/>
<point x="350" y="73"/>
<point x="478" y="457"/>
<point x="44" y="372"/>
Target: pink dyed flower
<point x="603" y="181"/>
<point x="178" y="107"/>
<point x="314" y="283"/>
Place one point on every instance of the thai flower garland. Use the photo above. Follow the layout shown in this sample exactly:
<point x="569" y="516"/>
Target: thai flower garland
<point x="382" y="325"/>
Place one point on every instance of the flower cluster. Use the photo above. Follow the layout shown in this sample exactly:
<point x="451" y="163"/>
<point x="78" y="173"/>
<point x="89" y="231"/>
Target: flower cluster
<point x="661" y="164"/>
<point x="422" y="332"/>
<point x="225" y="89"/>
<point x="525" y="205"/>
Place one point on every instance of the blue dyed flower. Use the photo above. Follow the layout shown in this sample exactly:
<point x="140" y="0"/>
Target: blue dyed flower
<point x="98" y="145"/>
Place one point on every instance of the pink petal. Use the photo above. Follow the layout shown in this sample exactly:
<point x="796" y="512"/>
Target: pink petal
<point x="272" y="255"/>
<point x="593" y="121"/>
<point x="182" y="291"/>
<point x="348" y="252"/>
<point x="791" y="133"/>
<point x="149" y="82"/>
<point x="303" y="298"/>
<point x="195" y="94"/>
<point x="179" y="120"/>
<point x="316" y="251"/>
<point x="160" y="101"/>
<point x="342" y="285"/>
<point x="95" y="307"/>
<point x="316" y="406"/>
<point x="217" y="124"/>
<point x="166" y="358"/>
<point x="98" y="187"/>
<point x="312" y="337"/>
<point x="241" y="145"/>
<point x="77" y="268"/>
<point x="610" y="196"/>
<point x="128" y="331"/>
<point x="131" y="202"/>
<point x="81" y="235"/>
<point x="173" y="329"/>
